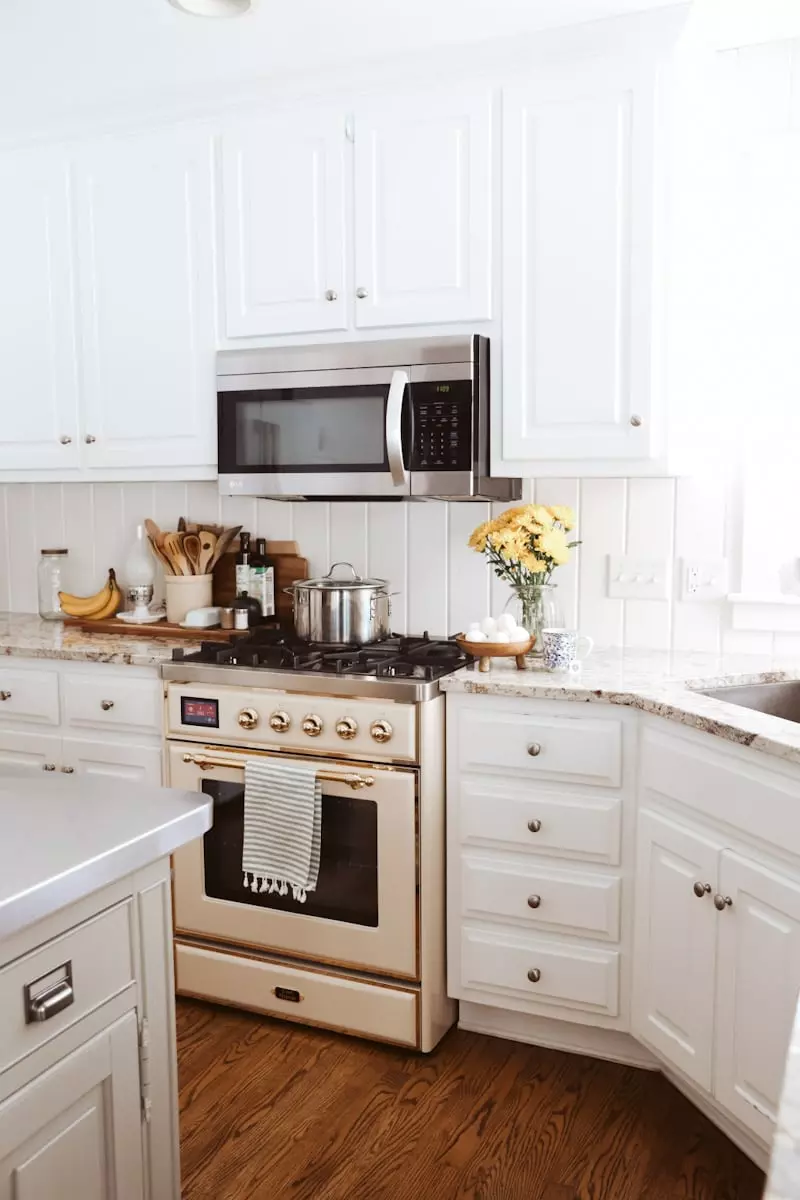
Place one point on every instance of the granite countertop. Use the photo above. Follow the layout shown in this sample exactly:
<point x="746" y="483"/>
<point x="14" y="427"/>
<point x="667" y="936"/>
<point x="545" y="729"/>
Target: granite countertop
<point x="23" y="635"/>
<point x="85" y="835"/>
<point x="657" y="682"/>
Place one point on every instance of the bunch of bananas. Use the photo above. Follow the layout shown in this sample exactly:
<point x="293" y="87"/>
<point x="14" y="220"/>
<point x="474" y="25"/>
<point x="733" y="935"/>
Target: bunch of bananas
<point x="97" y="607"/>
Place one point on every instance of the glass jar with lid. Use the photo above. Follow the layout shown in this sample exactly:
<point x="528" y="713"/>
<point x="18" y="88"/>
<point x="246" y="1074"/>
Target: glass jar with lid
<point x="50" y="578"/>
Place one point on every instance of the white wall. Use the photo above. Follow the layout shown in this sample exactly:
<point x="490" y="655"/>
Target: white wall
<point x="420" y="548"/>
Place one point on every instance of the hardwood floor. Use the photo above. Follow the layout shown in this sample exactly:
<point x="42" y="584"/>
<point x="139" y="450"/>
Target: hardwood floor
<point x="273" y="1110"/>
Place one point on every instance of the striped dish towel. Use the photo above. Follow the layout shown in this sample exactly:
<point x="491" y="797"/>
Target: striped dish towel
<point x="282" y="822"/>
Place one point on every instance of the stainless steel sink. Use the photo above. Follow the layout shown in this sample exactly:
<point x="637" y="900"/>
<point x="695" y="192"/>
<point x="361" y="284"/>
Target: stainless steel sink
<point x="777" y="699"/>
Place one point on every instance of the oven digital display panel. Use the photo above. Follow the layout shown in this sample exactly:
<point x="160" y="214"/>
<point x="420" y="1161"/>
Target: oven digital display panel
<point x="195" y="711"/>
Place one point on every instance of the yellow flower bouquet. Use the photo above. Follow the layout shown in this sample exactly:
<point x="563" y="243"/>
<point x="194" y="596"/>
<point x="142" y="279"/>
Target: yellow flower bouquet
<point x="524" y="545"/>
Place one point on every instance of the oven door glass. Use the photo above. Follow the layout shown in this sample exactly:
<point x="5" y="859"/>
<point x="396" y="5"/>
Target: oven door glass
<point x="363" y="913"/>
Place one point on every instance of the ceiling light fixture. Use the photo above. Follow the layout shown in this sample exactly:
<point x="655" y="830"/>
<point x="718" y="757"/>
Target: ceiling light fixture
<point x="213" y="8"/>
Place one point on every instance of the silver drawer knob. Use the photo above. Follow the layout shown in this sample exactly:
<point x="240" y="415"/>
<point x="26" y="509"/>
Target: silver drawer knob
<point x="636" y="421"/>
<point x="331" y="294"/>
<point x="534" y="975"/>
<point x="535" y="749"/>
<point x="722" y="902"/>
<point x="701" y="889"/>
<point x="68" y="770"/>
<point x="48" y="766"/>
<point x="535" y="825"/>
<point x="362" y="293"/>
<point x="66" y="440"/>
<point x="106" y="705"/>
<point x="90" y="439"/>
<point x="5" y="695"/>
<point x="534" y="901"/>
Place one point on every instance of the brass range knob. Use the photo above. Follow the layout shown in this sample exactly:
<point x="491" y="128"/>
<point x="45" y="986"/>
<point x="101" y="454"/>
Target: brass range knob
<point x="381" y="731"/>
<point x="347" y="728"/>
<point x="701" y="889"/>
<point x="312" y="725"/>
<point x="279" y="722"/>
<point x="248" y="718"/>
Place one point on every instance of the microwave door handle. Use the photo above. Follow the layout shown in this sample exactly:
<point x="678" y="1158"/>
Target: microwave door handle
<point x="394" y="427"/>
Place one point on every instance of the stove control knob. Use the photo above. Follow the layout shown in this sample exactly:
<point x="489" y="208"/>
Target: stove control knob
<point x="381" y="731"/>
<point x="347" y="728"/>
<point x="248" y="718"/>
<point x="279" y="722"/>
<point x="312" y="725"/>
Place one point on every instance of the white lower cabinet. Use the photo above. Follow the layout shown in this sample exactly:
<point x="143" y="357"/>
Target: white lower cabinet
<point x="142" y="763"/>
<point x="74" y="1129"/>
<point x="29" y="751"/>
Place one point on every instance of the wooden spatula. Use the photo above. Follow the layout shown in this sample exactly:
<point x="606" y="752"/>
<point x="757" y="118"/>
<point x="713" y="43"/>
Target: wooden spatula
<point x="208" y="544"/>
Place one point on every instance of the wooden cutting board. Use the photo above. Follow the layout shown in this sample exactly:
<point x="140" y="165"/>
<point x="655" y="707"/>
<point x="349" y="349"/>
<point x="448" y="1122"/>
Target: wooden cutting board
<point x="289" y="566"/>
<point x="158" y="629"/>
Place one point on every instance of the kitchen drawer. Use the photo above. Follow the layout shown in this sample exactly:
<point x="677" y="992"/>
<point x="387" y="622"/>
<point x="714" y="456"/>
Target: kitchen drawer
<point x="113" y="703"/>
<point x="573" y="748"/>
<point x="540" y="897"/>
<point x="100" y="954"/>
<point x="29" y="696"/>
<point x="311" y="997"/>
<point x="568" y="975"/>
<point x="533" y="819"/>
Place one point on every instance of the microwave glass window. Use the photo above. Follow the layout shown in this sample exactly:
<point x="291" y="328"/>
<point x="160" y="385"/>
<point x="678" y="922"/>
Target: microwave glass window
<point x="307" y="430"/>
<point x="347" y="889"/>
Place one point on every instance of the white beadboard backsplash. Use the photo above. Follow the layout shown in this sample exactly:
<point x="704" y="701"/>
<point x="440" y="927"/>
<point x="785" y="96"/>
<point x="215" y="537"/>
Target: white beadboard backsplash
<point x="440" y="583"/>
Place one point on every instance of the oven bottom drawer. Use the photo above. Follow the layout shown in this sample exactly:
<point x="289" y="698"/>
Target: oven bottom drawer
<point x="308" y="996"/>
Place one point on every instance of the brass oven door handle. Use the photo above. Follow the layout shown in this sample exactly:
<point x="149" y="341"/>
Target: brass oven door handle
<point x="352" y="779"/>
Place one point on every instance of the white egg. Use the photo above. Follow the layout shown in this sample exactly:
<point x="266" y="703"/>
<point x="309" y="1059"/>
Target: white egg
<point x="506" y="622"/>
<point x="501" y="636"/>
<point x="519" y="634"/>
<point x="488" y="625"/>
<point x="476" y="635"/>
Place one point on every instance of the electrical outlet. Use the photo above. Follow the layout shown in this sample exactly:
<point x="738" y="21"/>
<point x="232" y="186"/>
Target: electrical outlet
<point x="704" y="579"/>
<point x="631" y="578"/>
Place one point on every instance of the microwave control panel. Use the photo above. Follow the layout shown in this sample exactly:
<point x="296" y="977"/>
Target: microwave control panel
<point x="442" y="426"/>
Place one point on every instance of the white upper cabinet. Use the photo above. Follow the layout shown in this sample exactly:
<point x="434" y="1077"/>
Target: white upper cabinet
<point x="758" y="978"/>
<point x="578" y="244"/>
<point x="423" y="209"/>
<point x="283" y="183"/>
<point x="145" y="223"/>
<point x="38" y="370"/>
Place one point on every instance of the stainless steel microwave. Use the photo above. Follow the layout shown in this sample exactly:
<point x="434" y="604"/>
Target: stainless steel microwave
<point x="387" y="420"/>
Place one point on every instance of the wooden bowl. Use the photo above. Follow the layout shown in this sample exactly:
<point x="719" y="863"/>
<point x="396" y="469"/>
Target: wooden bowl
<point x="486" y="651"/>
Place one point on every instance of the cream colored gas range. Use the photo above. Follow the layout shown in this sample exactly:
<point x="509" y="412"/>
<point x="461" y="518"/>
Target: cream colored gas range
<point x="366" y="953"/>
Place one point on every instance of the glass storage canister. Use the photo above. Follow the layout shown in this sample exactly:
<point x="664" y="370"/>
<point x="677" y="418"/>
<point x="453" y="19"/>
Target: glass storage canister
<point x="50" y="580"/>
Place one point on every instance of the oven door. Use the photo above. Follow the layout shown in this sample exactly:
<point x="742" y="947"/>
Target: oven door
<point x="363" y="913"/>
<point x="315" y="433"/>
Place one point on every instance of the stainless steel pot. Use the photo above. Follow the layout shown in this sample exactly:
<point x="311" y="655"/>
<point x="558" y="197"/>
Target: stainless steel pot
<point x="345" y="612"/>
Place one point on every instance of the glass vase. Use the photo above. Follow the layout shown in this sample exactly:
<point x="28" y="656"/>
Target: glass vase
<point x="539" y="609"/>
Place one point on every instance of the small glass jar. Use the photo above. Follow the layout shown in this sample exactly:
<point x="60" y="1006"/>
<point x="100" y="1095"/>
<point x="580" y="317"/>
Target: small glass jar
<point x="50" y="580"/>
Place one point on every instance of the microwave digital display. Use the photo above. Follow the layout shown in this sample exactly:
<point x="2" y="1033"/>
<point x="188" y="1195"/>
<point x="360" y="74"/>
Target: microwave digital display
<point x="195" y="711"/>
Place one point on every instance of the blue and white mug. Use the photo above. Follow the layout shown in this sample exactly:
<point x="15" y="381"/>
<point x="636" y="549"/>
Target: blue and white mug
<point x="563" y="649"/>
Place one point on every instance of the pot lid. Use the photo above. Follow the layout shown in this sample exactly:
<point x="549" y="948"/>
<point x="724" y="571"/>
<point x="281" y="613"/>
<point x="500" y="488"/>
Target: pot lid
<point x="353" y="582"/>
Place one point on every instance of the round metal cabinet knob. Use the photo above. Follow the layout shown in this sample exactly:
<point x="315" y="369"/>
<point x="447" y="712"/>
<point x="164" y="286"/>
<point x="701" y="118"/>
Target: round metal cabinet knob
<point x="701" y="889"/>
<point x="722" y="902"/>
<point x="331" y="294"/>
<point x="279" y="722"/>
<point x="248" y="718"/>
<point x="636" y="421"/>
<point x="48" y="766"/>
<point x="90" y="439"/>
<point x="68" y="770"/>
<point x="534" y="975"/>
<point x="106" y="705"/>
<point x="5" y="695"/>
<point x="347" y="728"/>
<point x="535" y="825"/>
<point x="534" y="901"/>
<point x="535" y="749"/>
<point x="312" y="725"/>
<point x="362" y="293"/>
<point x="381" y="731"/>
<point x="66" y="440"/>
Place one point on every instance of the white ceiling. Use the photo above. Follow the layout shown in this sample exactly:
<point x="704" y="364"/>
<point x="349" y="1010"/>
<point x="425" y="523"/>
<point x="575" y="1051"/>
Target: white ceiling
<point x="60" y="54"/>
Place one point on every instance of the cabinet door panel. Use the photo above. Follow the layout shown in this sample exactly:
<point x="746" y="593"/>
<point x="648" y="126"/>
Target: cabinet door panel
<point x="32" y="752"/>
<point x="578" y="243"/>
<point x="145" y="238"/>
<point x="423" y="209"/>
<point x="77" y="1126"/>
<point x="142" y="763"/>
<point x="674" y="949"/>
<point x="283" y="198"/>
<point x="38" y="370"/>
<point x="758" y="979"/>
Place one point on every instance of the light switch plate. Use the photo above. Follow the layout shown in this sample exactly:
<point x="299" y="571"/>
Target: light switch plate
<point x="633" y="578"/>
<point x="704" y="579"/>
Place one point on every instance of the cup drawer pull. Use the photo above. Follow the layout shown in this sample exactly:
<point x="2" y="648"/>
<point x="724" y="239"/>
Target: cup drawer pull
<point x="49" y="995"/>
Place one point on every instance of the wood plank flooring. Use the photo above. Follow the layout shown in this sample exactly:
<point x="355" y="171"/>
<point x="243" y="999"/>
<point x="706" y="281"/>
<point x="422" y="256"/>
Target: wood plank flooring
<point x="274" y="1110"/>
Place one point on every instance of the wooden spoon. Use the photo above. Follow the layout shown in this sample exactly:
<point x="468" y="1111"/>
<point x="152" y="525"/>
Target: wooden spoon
<point x="153" y="535"/>
<point x="208" y="544"/>
<point x="173" y="545"/>
<point x="223" y="542"/>
<point x="191" y="548"/>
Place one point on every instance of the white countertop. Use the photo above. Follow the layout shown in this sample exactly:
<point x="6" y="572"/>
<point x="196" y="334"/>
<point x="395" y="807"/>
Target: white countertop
<point x="64" y="837"/>
<point x="657" y="682"/>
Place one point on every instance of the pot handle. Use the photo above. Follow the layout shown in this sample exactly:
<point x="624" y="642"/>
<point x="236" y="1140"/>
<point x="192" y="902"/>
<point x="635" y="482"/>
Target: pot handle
<point x="356" y="575"/>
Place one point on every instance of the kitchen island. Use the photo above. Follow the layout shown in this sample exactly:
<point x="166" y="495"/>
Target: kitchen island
<point x="87" y="1042"/>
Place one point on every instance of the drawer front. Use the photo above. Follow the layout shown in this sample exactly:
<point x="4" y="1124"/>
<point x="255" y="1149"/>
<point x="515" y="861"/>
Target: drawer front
<point x="118" y="704"/>
<point x="539" y="898"/>
<point x="100" y="958"/>
<point x="311" y="997"/>
<point x="577" y="749"/>
<point x="568" y="975"/>
<point x="29" y="696"/>
<point x="539" y="821"/>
